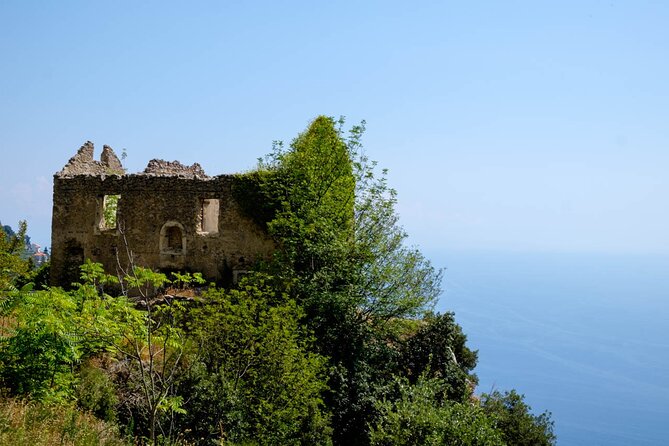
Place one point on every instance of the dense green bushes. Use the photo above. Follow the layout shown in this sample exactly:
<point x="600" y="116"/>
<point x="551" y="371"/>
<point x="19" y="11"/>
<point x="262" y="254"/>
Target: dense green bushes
<point x="421" y="414"/>
<point x="255" y="375"/>
<point x="511" y="415"/>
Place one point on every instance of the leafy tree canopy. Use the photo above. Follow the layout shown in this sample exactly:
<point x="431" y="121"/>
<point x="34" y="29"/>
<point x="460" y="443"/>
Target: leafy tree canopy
<point x="12" y="265"/>
<point x="513" y="417"/>
<point x="421" y="416"/>
<point x="343" y="253"/>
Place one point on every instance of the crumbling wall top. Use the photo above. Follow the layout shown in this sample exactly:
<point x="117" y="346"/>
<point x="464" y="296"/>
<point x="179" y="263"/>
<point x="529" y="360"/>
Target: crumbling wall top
<point x="83" y="163"/>
<point x="158" y="167"/>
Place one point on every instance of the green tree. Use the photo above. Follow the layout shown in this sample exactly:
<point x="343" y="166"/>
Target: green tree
<point x="512" y="416"/>
<point x="39" y="347"/>
<point x="150" y="342"/>
<point x="421" y="415"/>
<point x="343" y="252"/>
<point x="256" y="381"/>
<point x="336" y="225"/>
<point x="438" y="349"/>
<point x="12" y="246"/>
<point x="47" y="334"/>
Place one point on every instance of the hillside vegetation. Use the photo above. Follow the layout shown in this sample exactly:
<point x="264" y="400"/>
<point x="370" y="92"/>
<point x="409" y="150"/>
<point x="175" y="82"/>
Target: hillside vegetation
<point x="332" y="341"/>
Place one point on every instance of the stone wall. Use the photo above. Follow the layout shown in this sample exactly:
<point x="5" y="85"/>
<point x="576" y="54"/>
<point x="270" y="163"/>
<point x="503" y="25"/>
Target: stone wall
<point x="171" y="217"/>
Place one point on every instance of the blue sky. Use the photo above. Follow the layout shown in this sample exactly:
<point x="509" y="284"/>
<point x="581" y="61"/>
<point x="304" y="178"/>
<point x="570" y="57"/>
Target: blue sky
<point x="515" y="125"/>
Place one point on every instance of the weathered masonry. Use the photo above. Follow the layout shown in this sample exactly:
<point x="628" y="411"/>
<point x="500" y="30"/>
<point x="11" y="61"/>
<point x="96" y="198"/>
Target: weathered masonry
<point x="171" y="217"/>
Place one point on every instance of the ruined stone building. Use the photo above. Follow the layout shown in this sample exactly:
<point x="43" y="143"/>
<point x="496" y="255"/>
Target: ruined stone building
<point x="171" y="217"/>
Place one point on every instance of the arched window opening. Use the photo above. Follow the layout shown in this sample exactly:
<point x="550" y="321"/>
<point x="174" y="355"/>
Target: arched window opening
<point x="172" y="239"/>
<point x="173" y="235"/>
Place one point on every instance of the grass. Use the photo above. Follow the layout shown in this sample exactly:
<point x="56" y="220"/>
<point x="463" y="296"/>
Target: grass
<point x="38" y="424"/>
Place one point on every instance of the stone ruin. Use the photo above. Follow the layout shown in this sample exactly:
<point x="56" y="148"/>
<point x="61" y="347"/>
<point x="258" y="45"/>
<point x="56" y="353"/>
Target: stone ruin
<point x="83" y="163"/>
<point x="170" y="217"/>
<point x="161" y="167"/>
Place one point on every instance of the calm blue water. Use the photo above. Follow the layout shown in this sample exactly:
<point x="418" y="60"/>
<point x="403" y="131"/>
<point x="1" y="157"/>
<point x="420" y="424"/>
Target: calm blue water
<point x="583" y="336"/>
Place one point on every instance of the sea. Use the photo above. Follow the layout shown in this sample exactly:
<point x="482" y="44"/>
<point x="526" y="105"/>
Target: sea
<point x="583" y="336"/>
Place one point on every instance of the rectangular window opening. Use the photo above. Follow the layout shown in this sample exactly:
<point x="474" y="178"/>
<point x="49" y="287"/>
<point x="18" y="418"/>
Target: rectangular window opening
<point x="208" y="218"/>
<point x="109" y="214"/>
